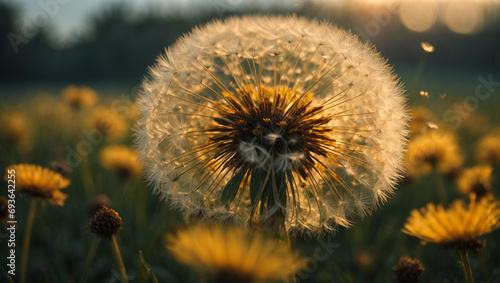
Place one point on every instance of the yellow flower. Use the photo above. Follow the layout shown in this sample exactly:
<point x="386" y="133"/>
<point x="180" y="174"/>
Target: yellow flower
<point x="434" y="150"/>
<point x="122" y="160"/>
<point x="475" y="180"/>
<point x="39" y="182"/>
<point x="231" y="253"/>
<point x="488" y="149"/>
<point x="108" y="122"/>
<point x="458" y="225"/>
<point x="79" y="97"/>
<point x="421" y="117"/>
<point x="15" y="128"/>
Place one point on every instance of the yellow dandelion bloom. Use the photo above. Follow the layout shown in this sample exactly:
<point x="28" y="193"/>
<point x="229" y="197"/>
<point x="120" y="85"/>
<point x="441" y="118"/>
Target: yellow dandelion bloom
<point x="421" y="117"/>
<point x="457" y="225"/>
<point x="232" y="253"/>
<point x="79" y="97"/>
<point x="15" y="128"/>
<point x="122" y="160"/>
<point x="109" y="123"/>
<point x="488" y="149"/>
<point x="434" y="150"/>
<point x="39" y="182"/>
<point x="475" y="180"/>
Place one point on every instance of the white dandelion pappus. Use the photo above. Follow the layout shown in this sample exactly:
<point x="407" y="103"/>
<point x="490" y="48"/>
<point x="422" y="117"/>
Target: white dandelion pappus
<point x="254" y="116"/>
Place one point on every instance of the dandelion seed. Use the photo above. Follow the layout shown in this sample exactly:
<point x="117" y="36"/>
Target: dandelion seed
<point x="421" y="117"/>
<point x="233" y="255"/>
<point x="256" y="117"/>
<point x="424" y="94"/>
<point x="122" y="160"/>
<point x="40" y="183"/>
<point x="427" y="47"/>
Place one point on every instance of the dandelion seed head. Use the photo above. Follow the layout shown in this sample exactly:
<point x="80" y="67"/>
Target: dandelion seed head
<point x="257" y="115"/>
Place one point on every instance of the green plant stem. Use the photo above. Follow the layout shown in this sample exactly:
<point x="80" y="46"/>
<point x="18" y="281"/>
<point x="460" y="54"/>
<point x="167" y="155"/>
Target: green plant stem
<point x="441" y="192"/>
<point x="119" y="260"/>
<point x="88" y="260"/>
<point x="27" y="239"/>
<point x="87" y="176"/>
<point x="418" y="75"/>
<point x="148" y="269"/>
<point x="464" y="260"/>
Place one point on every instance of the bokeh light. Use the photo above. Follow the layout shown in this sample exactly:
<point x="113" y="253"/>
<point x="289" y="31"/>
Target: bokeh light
<point x="463" y="17"/>
<point x="418" y="16"/>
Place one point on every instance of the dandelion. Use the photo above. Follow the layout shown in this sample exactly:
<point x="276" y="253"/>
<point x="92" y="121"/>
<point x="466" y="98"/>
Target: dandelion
<point x="488" y="149"/>
<point x="408" y="270"/>
<point x="232" y="255"/>
<point x="105" y="224"/>
<point x="458" y="226"/>
<point x="258" y="119"/>
<point x="122" y="160"/>
<point x="40" y="184"/>
<point x="434" y="152"/>
<point x="15" y="129"/>
<point x="107" y="122"/>
<point x="475" y="180"/>
<point x="79" y="97"/>
<point x="421" y="117"/>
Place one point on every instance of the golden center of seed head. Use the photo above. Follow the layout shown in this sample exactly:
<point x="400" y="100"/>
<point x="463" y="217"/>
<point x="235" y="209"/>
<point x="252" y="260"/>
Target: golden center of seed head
<point x="276" y="121"/>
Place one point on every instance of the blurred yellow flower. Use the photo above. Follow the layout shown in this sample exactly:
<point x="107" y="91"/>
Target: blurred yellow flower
<point x="233" y="254"/>
<point x="122" y="160"/>
<point x="15" y="127"/>
<point x="475" y="180"/>
<point x="79" y="97"/>
<point x="108" y="122"/>
<point x="427" y="47"/>
<point x="421" y="117"/>
<point x="39" y="182"/>
<point x="488" y="149"/>
<point x="458" y="225"/>
<point x="434" y="150"/>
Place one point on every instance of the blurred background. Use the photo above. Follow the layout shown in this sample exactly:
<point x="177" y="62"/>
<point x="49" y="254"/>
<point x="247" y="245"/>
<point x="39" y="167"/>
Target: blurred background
<point x="110" y="44"/>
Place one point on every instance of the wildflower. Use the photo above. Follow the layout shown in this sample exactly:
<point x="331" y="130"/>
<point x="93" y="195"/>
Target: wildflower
<point x="458" y="225"/>
<point x="38" y="182"/>
<point x="258" y="118"/>
<point x="475" y="180"/>
<point x="421" y="117"/>
<point x="122" y="160"/>
<point x="15" y="128"/>
<point x="408" y="270"/>
<point x="427" y="47"/>
<point x="232" y="255"/>
<point x="105" y="223"/>
<point x="79" y="97"/>
<point x="488" y="149"/>
<point x="434" y="150"/>
<point x="107" y="122"/>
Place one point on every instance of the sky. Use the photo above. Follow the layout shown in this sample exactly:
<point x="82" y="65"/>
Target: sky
<point x="70" y="17"/>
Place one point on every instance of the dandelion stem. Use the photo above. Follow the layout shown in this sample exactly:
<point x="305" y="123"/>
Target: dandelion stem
<point x="119" y="260"/>
<point x="464" y="260"/>
<point x="441" y="192"/>
<point x="88" y="260"/>
<point x="418" y="75"/>
<point x="148" y="269"/>
<point x="27" y="238"/>
<point x="87" y="176"/>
